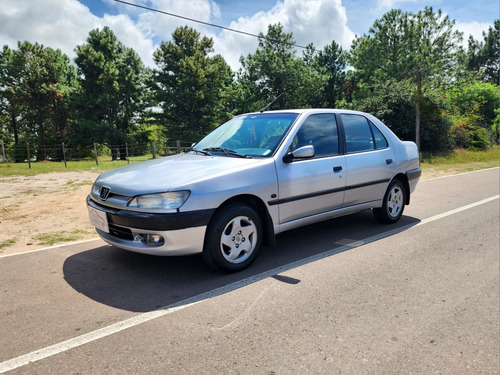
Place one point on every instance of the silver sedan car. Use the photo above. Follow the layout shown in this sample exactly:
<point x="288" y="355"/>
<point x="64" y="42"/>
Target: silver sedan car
<point x="253" y="177"/>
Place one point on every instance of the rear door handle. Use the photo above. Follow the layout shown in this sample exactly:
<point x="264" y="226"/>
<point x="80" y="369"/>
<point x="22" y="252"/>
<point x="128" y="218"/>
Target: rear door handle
<point x="337" y="169"/>
<point x="388" y="161"/>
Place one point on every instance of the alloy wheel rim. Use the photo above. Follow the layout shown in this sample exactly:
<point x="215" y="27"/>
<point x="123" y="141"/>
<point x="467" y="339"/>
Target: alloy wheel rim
<point x="395" y="201"/>
<point x="238" y="240"/>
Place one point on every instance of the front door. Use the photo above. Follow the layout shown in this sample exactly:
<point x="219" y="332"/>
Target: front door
<point x="316" y="184"/>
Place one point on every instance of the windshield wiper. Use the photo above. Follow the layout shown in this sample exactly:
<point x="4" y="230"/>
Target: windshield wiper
<point x="203" y="152"/>
<point x="225" y="151"/>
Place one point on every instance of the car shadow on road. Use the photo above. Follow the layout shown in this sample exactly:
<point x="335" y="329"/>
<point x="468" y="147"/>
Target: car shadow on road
<point x="141" y="283"/>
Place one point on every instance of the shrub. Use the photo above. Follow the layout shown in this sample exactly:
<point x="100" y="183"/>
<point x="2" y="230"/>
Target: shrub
<point x="479" y="138"/>
<point x="470" y="137"/>
<point x="460" y="136"/>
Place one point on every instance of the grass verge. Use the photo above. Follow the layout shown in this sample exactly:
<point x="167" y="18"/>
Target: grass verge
<point x="22" y="169"/>
<point x="460" y="161"/>
<point x="5" y="244"/>
<point x="53" y="238"/>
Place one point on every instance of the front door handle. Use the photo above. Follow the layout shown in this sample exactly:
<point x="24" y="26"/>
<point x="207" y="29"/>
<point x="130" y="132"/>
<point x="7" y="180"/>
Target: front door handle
<point x="388" y="161"/>
<point x="337" y="169"/>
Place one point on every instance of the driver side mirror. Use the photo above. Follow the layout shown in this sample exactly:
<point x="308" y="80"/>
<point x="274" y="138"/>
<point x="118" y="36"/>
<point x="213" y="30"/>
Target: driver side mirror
<point x="304" y="152"/>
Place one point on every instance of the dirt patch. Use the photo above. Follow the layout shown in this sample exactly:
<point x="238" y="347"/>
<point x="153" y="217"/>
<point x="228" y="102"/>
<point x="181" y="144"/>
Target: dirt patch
<point x="44" y="210"/>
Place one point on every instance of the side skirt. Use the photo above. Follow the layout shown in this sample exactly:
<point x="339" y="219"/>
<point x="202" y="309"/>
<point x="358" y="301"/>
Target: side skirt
<point x="280" y="228"/>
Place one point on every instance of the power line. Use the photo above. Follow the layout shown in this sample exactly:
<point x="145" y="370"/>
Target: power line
<point x="243" y="32"/>
<point x="207" y="23"/>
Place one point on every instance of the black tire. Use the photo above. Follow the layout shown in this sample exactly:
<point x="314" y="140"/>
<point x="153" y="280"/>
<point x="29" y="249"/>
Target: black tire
<point x="233" y="238"/>
<point x="393" y="204"/>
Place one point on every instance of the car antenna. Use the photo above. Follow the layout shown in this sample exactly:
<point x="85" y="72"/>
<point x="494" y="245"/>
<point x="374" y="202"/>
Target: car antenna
<point x="267" y="106"/>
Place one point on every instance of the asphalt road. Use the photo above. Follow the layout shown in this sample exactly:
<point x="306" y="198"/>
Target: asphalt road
<point x="347" y="296"/>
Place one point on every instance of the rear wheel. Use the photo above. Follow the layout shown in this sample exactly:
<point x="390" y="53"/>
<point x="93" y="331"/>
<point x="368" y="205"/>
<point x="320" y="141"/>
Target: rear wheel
<point x="393" y="205"/>
<point x="233" y="238"/>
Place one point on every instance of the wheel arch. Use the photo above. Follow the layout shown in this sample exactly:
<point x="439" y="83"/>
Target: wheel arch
<point x="404" y="179"/>
<point x="260" y="207"/>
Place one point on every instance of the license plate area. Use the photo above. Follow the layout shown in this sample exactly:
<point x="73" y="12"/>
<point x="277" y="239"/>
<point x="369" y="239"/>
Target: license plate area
<point x="98" y="219"/>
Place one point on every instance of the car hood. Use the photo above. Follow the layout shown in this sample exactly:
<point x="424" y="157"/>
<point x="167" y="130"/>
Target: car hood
<point x="169" y="173"/>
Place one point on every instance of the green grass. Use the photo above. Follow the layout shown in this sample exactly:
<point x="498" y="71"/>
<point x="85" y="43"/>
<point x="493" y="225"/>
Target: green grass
<point x="7" y="243"/>
<point x="23" y="169"/>
<point x="74" y="184"/>
<point x="17" y="169"/>
<point x="460" y="161"/>
<point x="49" y="239"/>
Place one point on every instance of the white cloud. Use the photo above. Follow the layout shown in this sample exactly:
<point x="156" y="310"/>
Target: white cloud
<point x="162" y="26"/>
<point x="64" y="24"/>
<point x="472" y="28"/>
<point x="131" y="35"/>
<point x="145" y="34"/>
<point x="59" y="24"/>
<point x="311" y="21"/>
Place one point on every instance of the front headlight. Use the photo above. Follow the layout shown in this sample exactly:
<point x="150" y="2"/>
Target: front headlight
<point x="160" y="201"/>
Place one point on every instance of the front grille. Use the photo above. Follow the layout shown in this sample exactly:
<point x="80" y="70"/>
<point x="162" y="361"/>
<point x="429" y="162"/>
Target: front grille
<point x="120" y="232"/>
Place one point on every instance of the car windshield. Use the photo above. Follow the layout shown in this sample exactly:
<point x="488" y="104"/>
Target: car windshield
<point x="248" y="135"/>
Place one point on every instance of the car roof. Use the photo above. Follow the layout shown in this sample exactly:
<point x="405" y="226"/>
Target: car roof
<point x="309" y="110"/>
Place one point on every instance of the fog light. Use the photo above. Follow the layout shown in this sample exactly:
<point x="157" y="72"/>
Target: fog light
<point x="155" y="240"/>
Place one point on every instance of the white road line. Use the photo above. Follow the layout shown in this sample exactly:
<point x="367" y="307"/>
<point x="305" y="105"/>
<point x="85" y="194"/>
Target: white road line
<point x="50" y="247"/>
<point x="459" y="209"/>
<point x="457" y="174"/>
<point x="86" y="338"/>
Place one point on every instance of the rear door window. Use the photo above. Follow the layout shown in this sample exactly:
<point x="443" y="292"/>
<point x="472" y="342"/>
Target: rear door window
<point x="361" y="134"/>
<point x="358" y="135"/>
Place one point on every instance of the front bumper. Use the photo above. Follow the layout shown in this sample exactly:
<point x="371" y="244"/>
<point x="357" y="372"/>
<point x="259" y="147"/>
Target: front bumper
<point x="182" y="233"/>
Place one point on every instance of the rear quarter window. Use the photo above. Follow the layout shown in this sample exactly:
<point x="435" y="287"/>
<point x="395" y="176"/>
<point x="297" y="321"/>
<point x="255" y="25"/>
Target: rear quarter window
<point x="380" y="141"/>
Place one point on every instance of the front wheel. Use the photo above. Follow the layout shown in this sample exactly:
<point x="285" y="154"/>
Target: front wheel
<point x="393" y="205"/>
<point x="233" y="238"/>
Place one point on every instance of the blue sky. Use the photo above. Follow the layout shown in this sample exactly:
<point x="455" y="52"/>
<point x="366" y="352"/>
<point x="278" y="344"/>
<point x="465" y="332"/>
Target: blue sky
<point x="64" y="24"/>
<point x="360" y="13"/>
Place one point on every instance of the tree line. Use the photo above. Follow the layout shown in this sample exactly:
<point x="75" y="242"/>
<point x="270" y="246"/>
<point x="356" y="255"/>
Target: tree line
<point x="409" y="70"/>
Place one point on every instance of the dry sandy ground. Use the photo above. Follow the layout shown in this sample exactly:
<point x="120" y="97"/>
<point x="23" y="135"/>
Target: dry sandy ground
<point x="49" y="209"/>
<point x="44" y="210"/>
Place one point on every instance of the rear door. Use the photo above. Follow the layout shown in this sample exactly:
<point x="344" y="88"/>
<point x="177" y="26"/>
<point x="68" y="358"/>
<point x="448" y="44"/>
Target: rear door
<point x="313" y="185"/>
<point x="369" y="161"/>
